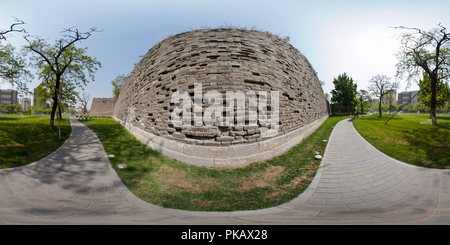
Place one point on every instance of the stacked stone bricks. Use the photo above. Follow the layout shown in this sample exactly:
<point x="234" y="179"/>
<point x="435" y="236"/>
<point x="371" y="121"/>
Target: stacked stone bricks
<point x="102" y="107"/>
<point x="221" y="60"/>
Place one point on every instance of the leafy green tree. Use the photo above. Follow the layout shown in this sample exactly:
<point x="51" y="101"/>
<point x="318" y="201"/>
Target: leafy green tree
<point x="10" y="108"/>
<point x="408" y="107"/>
<point x="117" y="84"/>
<point x="380" y="86"/>
<point x="429" y="52"/>
<point x="3" y="108"/>
<point x="420" y="106"/>
<point x="64" y="107"/>
<point x="13" y="68"/>
<point x="344" y="92"/>
<point x="363" y="97"/>
<point x="12" y="65"/>
<point x="31" y="109"/>
<point x="390" y="102"/>
<point x="446" y="107"/>
<point x="62" y="61"/>
<point x="442" y="91"/>
<point x="35" y="109"/>
<point x="18" y="108"/>
<point x="67" y="93"/>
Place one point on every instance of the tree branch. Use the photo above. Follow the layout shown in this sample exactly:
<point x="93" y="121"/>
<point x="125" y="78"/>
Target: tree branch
<point x="31" y="46"/>
<point x="419" y="31"/>
<point x="11" y="29"/>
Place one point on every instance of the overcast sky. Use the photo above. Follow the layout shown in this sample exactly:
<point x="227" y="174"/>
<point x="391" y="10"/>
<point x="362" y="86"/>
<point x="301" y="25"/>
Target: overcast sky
<point x="335" y="36"/>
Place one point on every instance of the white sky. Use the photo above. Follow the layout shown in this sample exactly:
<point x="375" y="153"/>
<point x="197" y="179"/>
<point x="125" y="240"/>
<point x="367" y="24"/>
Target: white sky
<point x="335" y="36"/>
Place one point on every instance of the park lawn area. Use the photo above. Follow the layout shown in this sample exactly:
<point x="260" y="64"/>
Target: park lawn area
<point x="162" y="181"/>
<point x="409" y="138"/>
<point x="25" y="139"/>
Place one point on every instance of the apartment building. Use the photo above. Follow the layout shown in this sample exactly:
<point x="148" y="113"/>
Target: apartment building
<point x="8" y="96"/>
<point x="404" y="97"/>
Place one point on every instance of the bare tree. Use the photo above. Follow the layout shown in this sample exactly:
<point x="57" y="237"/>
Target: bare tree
<point x="427" y="51"/>
<point x="380" y="86"/>
<point x="84" y="101"/>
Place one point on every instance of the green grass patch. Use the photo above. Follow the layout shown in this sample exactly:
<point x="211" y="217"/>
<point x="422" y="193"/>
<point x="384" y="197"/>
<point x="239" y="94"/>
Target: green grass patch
<point x="25" y="139"/>
<point x="160" y="180"/>
<point x="409" y="138"/>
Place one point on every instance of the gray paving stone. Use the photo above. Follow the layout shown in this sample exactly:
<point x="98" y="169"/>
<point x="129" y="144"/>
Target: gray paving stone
<point x="368" y="188"/>
<point x="345" y="201"/>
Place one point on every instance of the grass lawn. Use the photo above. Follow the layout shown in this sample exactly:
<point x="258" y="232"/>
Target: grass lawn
<point x="25" y="139"/>
<point x="169" y="183"/>
<point x="409" y="138"/>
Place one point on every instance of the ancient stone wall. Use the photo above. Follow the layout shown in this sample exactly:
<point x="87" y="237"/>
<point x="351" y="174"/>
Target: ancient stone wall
<point x="203" y="63"/>
<point x="102" y="107"/>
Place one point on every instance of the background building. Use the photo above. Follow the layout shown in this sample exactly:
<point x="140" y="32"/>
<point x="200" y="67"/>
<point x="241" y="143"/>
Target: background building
<point x="25" y="103"/>
<point x="404" y="97"/>
<point x="8" y="96"/>
<point x="34" y="98"/>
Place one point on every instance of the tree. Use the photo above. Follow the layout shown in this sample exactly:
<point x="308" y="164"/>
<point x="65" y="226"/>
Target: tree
<point x="72" y="111"/>
<point x="420" y="106"/>
<point x="344" y="92"/>
<point x="381" y="86"/>
<point x="62" y="61"/>
<point x="408" y="107"/>
<point x="446" y="107"/>
<point x="389" y="101"/>
<point x="13" y="66"/>
<point x="66" y="94"/>
<point x="427" y="51"/>
<point x="117" y="84"/>
<point x="84" y="101"/>
<point x="10" y="108"/>
<point x="363" y="96"/>
<point x="15" y="27"/>
<point x="38" y="109"/>
<point x="18" y="108"/>
<point x="442" y="92"/>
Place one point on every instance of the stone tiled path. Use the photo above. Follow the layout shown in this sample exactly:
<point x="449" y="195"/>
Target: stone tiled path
<point x="357" y="184"/>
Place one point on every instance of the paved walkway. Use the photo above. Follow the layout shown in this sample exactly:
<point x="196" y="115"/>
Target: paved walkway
<point x="357" y="185"/>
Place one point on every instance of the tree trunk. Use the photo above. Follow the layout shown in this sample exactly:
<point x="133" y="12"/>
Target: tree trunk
<point x="55" y="103"/>
<point x="379" y="106"/>
<point x="433" y="100"/>
<point x="52" y="115"/>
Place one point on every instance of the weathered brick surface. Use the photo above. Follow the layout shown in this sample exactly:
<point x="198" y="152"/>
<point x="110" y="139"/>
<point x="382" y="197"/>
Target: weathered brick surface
<point x="102" y="107"/>
<point x="220" y="60"/>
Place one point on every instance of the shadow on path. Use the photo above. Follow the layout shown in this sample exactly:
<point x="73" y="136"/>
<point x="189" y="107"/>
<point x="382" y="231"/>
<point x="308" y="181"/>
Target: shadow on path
<point x="356" y="185"/>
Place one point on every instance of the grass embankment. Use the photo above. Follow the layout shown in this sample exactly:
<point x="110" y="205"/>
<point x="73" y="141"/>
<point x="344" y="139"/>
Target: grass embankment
<point x="409" y="138"/>
<point x="25" y="139"/>
<point x="169" y="183"/>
